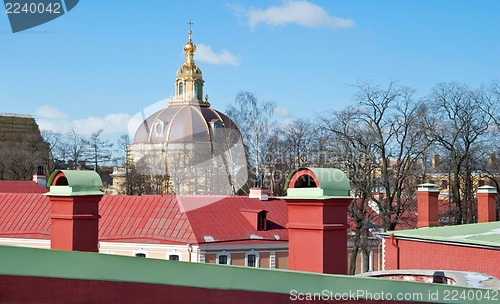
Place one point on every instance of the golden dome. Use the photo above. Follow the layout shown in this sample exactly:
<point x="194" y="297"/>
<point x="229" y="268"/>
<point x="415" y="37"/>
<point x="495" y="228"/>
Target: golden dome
<point x="190" y="47"/>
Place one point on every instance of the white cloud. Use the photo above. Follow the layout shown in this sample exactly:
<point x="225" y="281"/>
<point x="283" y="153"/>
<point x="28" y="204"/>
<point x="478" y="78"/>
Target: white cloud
<point x="112" y="123"/>
<point x="299" y="12"/>
<point x="49" y="112"/>
<point x="206" y="54"/>
<point x="282" y="112"/>
<point x="52" y="119"/>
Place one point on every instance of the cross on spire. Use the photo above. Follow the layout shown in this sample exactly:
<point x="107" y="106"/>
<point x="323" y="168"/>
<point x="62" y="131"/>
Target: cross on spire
<point x="190" y="23"/>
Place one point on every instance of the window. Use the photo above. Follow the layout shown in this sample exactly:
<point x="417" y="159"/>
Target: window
<point x="140" y="255"/>
<point x="197" y="89"/>
<point x="251" y="260"/>
<point x="181" y="88"/>
<point x="173" y="257"/>
<point x="222" y="260"/>
<point x="261" y="221"/>
<point x="158" y="128"/>
<point x="444" y="184"/>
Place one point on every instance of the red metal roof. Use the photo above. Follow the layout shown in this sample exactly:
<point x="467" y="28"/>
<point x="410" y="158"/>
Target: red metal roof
<point x="147" y="219"/>
<point x="165" y="219"/>
<point x="223" y="220"/>
<point x="20" y="186"/>
<point x="24" y="215"/>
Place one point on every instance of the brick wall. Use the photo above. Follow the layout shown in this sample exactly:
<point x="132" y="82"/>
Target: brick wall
<point x="264" y="260"/>
<point x="282" y="260"/>
<point x="422" y="255"/>
<point x="20" y="289"/>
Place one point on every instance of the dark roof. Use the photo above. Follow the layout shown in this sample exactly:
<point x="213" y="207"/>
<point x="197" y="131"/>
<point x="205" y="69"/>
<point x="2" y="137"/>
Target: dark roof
<point x="20" y="186"/>
<point x="165" y="219"/>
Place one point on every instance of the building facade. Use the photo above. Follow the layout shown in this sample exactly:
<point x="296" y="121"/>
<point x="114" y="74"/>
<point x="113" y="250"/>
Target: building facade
<point x="234" y="230"/>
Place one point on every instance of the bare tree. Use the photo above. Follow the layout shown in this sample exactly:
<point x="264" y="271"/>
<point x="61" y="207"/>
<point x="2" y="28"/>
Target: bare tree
<point x="19" y="159"/>
<point x="460" y="121"/>
<point x="75" y="149"/>
<point x="392" y="119"/>
<point x="54" y="141"/>
<point x="359" y="162"/>
<point x="99" y="150"/>
<point x="253" y="119"/>
<point x="378" y="144"/>
<point x="298" y="137"/>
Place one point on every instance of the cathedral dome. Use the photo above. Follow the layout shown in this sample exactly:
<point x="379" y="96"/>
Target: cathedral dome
<point x="188" y="118"/>
<point x="196" y="148"/>
<point x="187" y="123"/>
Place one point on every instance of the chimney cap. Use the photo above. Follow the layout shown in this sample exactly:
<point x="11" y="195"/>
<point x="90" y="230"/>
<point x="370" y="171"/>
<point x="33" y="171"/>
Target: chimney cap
<point x="74" y="183"/>
<point x="427" y="187"/>
<point x="486" y="189"/>
<point x="317" y="183"/>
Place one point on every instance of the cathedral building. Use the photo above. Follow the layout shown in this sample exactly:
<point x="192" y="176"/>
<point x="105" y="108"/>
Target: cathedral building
<point x="189" y="146"/>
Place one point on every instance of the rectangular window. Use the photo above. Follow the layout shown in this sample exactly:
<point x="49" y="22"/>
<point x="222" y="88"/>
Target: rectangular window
<point x="173" y="257"/>
<point x="251" y="260"/>
<point x="261" y="224"/>
<point x="223" y="259"/>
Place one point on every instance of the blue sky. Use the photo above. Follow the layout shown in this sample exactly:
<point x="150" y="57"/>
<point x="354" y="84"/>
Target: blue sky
<point x="104" y="61"/>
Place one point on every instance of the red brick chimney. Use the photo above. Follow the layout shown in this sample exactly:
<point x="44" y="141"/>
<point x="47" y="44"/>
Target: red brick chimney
<point x="428" y="208"/>
<point x="486" y="204"/>
<point x="74" y="197"/>
<point x="317" y="201"/>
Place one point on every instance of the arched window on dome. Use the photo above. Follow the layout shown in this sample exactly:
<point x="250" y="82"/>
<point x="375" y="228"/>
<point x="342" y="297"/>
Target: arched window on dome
<point x="197" y="90"/>
<point x="181" y="88"/>
<point x="158" y="128"/>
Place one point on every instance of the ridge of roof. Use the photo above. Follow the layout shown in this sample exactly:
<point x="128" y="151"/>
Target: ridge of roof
<point x="21" y="186"/>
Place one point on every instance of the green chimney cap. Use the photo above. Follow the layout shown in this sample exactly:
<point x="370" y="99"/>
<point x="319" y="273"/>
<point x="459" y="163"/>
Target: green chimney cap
<point x="317" y="183"/>
<point x="74" y="183"/>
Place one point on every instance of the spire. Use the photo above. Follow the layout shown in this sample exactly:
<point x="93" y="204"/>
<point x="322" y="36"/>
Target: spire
<point x="189" y="79"/>
<point x="190" y="23"/>
<point x="190" y="47"/>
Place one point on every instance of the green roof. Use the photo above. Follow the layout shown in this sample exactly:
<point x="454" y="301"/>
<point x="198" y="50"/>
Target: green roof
<point x="105" y="267"/>
<point x="483" y="234"/>
<point x="80" y="183"/>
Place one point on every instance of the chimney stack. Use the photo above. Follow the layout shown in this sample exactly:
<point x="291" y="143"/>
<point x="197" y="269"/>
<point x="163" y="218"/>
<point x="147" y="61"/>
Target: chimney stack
<point x="428" y="208"/>
<point x="317" y="200"/>
<point x="74" y="197"/>
<point x="486" y="204"/>
<point x="260" y="193"/>
<point x="39" y="177"/>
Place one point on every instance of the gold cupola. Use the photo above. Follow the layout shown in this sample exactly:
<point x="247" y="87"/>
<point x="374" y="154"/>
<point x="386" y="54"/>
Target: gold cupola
<point x="189" y="80"/>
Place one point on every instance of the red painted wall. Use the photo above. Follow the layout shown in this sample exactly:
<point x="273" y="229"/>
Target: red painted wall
<point x="317" y="235"/>
<point x="421" y="255"/>
<point x="18" y="289"/>
<point x="486" y="207"/>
